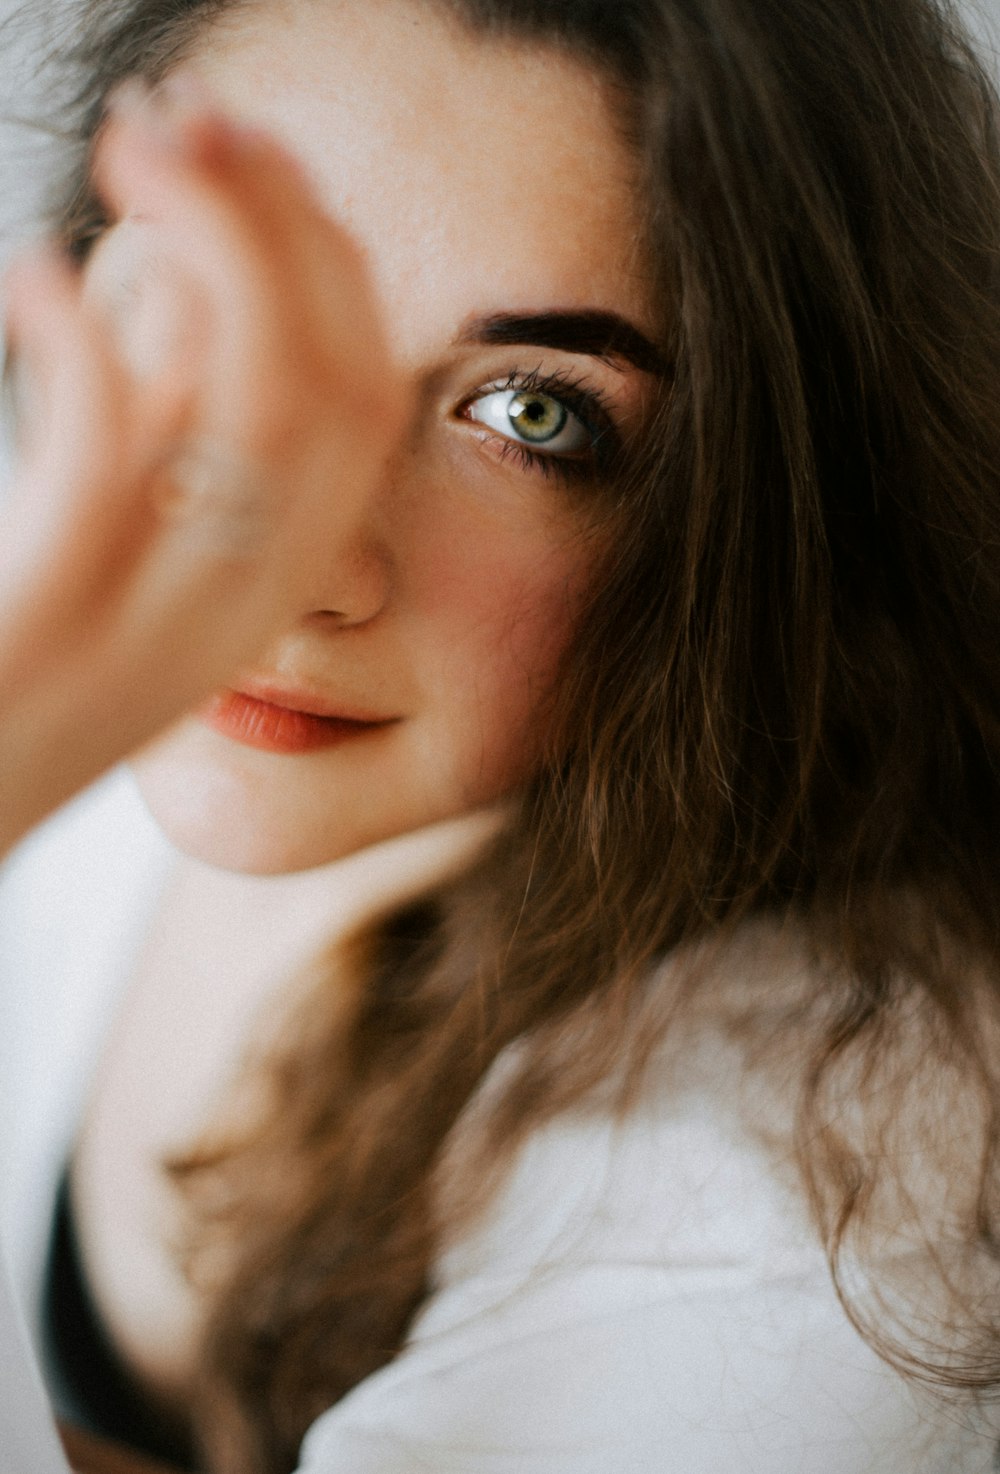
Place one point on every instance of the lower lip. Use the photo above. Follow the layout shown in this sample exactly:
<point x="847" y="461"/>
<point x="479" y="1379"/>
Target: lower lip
<point x="273" y="728"/>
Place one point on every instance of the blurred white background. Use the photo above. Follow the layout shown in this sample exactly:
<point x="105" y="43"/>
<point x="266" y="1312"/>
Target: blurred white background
<point x="984" y="17"/>
<point x="28" y="28"/>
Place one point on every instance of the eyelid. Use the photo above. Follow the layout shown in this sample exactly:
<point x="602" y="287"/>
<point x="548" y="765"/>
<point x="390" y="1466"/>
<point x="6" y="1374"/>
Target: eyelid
<point x="584" y="400"/>
<point x="599" y="464"/>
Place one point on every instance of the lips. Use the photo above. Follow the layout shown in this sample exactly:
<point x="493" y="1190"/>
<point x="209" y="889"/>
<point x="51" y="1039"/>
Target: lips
<point x="287" y="722"/>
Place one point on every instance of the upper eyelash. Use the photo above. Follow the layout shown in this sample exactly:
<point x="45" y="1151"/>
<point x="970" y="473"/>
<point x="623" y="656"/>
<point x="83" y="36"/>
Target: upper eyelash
<point x="559" y="384"/>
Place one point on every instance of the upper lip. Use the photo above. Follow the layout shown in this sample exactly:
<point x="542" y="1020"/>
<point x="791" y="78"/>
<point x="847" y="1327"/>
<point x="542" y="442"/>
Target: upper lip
<point x="310" y="704"/>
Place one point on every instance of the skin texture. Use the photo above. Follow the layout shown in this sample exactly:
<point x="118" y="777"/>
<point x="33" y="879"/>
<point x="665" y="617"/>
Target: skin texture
<point x="448" y="592"/>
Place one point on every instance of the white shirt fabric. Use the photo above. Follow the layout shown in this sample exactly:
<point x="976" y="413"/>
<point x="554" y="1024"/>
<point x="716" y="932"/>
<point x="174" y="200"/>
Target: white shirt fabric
<point x="642" y="1297"/>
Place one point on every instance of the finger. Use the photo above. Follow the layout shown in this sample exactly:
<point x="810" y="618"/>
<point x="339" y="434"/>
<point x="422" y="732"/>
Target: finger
<point x="148" y="166"/>
<point x="76" y="392"/>
<point x="326" y="297"/>
<point x="156" y="312"/>
<point x="264" y="181"/>
<point x="286" y="285"/>
<point x="273" y="189"/>
<point x="86" y="514"/>
<point x="80" y="436"/>
<point x="52" y="348"/>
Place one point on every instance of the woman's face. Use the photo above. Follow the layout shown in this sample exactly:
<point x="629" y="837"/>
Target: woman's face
<point x="495" y="202"/>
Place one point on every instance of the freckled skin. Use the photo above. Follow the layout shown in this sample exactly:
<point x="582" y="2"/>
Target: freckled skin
<point x="452" y="601"/>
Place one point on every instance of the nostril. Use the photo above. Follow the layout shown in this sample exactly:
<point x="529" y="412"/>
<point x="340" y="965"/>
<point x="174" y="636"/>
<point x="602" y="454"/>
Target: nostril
<point x="330" y="616"/>
<point x="357" y="585"/>
<point x="341" y="618"/>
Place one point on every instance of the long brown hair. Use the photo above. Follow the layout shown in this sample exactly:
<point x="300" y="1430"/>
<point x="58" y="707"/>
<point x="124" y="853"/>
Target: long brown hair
<point x="783" y="703"/>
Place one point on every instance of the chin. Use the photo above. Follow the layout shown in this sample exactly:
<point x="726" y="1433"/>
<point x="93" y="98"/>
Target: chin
<point x="236" y="809"/>
<point x="228" y="811"/>
<point x="205" y="829"/>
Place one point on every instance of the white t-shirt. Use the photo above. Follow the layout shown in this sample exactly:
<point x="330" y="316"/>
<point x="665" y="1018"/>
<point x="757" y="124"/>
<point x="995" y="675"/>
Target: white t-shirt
<point x="642" y="1297"/>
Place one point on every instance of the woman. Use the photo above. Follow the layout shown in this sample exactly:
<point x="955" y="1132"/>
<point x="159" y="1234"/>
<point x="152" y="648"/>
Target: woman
<point x="554" y="445"/>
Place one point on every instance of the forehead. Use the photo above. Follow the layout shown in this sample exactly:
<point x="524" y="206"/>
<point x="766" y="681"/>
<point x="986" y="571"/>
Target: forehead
<point x="481" y="174"/>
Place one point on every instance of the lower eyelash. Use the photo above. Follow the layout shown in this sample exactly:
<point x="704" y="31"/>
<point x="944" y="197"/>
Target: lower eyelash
<point x="566" y="468"/>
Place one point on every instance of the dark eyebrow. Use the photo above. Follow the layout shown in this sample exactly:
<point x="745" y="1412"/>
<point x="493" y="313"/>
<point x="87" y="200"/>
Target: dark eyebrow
<point x="598" y="334"/>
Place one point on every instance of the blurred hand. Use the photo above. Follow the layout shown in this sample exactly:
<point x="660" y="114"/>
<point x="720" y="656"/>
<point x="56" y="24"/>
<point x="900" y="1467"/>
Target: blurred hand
<point x="187" y="455"/>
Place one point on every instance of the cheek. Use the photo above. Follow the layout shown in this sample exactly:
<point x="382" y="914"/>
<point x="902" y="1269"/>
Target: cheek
<point x="503" y="624"/>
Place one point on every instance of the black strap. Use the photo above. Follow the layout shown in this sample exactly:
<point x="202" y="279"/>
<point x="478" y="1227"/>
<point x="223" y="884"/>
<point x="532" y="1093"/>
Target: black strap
<point x="98" y="1391"/>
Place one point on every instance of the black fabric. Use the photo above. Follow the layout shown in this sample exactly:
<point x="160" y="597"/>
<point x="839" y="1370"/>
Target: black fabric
<point x="94" y="1385"/>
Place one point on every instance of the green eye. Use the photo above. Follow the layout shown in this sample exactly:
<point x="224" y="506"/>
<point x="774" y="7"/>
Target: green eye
<point x="538" y="417"/>
<point x="532" y="418"/>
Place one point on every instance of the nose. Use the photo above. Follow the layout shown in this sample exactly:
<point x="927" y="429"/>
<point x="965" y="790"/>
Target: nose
<point x="351" y="586"/>
<point x="351" y="566"/>
<point x="355" y="580"/>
